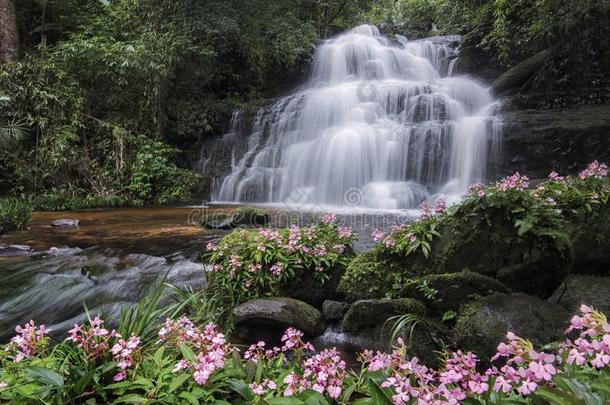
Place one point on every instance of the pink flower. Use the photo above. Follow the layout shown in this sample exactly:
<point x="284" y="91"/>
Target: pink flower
<point x="514" y="182"/>
<point x="595" y="170"/>
<point x="377" y="235"/>
<point x="554" y="176"/>
<point x="328" y="219"/>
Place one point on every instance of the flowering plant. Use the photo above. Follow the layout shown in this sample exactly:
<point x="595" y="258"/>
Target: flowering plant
<point x="253" y="263"/>
<point x="188" y="364"/>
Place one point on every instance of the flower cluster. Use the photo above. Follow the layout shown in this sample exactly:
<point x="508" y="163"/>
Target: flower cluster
<point x="94" y="340"/>
<point x="323" y="372"/>
<point x="123" y="352"/>
<point x="29" y="341"/>
<point x="514" y="182"/>
<point x="210" y="345"/>
<point x="428" y="210"/>
<point x="593" y="343"/>
<point x="265" y="386"/>
<point x="554" y="176"/>
<point x="476" y="190"/>
<point x="594" y="170"/>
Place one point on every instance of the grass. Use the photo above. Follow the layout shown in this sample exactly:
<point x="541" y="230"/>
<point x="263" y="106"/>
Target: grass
<point x="14" y="214"/>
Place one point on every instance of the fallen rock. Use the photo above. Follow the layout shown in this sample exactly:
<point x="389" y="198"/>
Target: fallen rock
<point x="14" y="250"/>
<point x="371" y="313"/>
<point x="280" y="313"/>
<point x="65" y="223"/>
<point x="483" y="324"/>
<point x="581" y="289"/>
<point x="334" y="310"/>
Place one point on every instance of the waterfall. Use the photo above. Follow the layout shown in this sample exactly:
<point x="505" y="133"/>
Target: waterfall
<point x="379" y="124"/>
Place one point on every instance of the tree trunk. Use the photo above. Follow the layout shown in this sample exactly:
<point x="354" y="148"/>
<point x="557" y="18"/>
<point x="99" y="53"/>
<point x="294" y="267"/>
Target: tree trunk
<point x="9" y="37"/>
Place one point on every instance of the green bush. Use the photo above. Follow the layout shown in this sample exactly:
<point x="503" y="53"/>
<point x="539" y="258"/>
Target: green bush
<point x="14" y="214"/>
<point x="254" y="263"/>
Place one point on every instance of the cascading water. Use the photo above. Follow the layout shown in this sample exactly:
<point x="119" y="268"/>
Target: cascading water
<point x="378" y="125"/>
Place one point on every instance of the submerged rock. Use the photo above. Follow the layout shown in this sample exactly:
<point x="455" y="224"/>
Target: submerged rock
<point x="65" y="223"/>
<point x="371" y="313"/>
<point x="483" y="324"/>
<point x="14" y="250"/>
<point x="581" y="289"/>
<point x="334" y="310"/>
<point x="281" y="313"/>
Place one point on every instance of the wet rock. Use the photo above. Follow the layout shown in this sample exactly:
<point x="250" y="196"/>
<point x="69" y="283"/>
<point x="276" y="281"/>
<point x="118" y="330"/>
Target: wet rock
<point x="478" y="62"/>
<point x="535" y="142"/>
<point x="334" y="310"/>
<point x="582" y="289"/>
<point x="482" y="325"/>
<point x="519" y="74"/>
<point x="15" y="250"/>
<point x="370" y="313"/>
<point x="280" y="312"/>
<point x="65" y="223"/>
<point x="449" y="291"/>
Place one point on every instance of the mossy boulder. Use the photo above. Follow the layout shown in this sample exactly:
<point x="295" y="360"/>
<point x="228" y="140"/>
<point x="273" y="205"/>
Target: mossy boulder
<point x="483" y="324"/>
<point x="448" y="291"/>
<point x="241" y="217"/>
<point x="364" y="314"/>
<point x="279" y="313"/>
<point x="334" y="311"/>
<point x="580" y="289"/>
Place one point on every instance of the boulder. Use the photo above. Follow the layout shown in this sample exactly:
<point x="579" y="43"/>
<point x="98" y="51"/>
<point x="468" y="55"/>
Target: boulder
<point x="582" y="289"/>
<point x="444" y="292"/>
<point x="521" y="73"/>
<point x="365" y="314"/>
<point x="280" y="313"/>
<point x="334" y="310"/>
<point x="65" y="223"/>
<point x="483" y="324"/>
<point x="478" y="62"/>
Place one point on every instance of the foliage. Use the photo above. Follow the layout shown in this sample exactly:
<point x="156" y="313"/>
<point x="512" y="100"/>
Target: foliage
<point x="14" y="214"/>
<point x="186" y="364"/>
<point x="254" y="263"/>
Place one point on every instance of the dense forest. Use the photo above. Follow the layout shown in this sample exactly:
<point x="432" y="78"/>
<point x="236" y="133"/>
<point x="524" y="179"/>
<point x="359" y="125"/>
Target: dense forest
<point x="101" y="99"/>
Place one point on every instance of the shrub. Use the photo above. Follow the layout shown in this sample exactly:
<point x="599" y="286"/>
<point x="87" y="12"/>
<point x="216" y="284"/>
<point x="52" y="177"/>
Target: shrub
<point x="62" y="202"/>
<point x="254" y="263"/>
<point x="14" y="214"/>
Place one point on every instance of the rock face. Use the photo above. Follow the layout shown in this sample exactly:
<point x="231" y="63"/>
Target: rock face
<point x="581" y="289"/>
<point x="519" y="74"/>
<point x="475" y="61"/>
<point x="483" y="324"/>
<point x="334" y="310"/>
<point x="535" y="142"/>
<point x="65" y="223"/>
<point x="280" y="312"/>
<point x="365" y="314"/>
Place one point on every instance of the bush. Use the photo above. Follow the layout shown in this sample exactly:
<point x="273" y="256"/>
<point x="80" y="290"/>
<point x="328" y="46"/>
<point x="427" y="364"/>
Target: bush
<point x="14" y="214"/>
<point x="60" y="202"/>
<point x="249" y="264"/>
<point x="507" y="231"/>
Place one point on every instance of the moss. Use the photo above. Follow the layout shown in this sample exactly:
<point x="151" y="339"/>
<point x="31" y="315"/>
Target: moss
<point x="251" y="216"/>
<point x="444" y="292"/>
<point x="369" y="275"/>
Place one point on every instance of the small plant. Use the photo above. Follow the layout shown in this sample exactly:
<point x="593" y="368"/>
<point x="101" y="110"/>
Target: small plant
<point x="14" y="214"/>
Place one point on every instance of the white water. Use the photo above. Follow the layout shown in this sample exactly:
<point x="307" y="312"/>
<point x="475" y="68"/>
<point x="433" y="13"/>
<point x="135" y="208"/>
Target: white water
<point x="376" y="126"/>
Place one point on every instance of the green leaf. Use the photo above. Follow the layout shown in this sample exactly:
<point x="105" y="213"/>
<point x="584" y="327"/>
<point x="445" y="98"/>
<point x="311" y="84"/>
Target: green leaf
<point x="130" y="399"/>
<point x="45" y="375"/>
<point x="311" y="397"/>
<point x="285" y="401"/>
<point x="189" y="397"/>
<point x="177" y="382"/>
<point x="188" y="353"/>
<point x="241" y="388"/>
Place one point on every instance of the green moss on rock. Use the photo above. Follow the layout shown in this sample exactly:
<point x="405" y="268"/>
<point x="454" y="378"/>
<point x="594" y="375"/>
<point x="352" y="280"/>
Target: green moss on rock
<point x="448" y="291"/>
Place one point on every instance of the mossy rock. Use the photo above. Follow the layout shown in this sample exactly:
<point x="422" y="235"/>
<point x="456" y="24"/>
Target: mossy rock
<point x="241" y="217"/>
<point x="578" y="289"/>
<point x="483" y="324"/>
<point x="334" y="310"/>
<point x="280" y="312"/>
<point x="448" y="291"/>
<point x="369" y="275"/>
<point x="311" y="290"/>
<point x="364" y="314"/>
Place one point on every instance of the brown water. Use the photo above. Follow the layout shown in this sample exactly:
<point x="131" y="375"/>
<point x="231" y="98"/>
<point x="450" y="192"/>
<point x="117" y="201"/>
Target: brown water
<point x="153" y="231"/>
